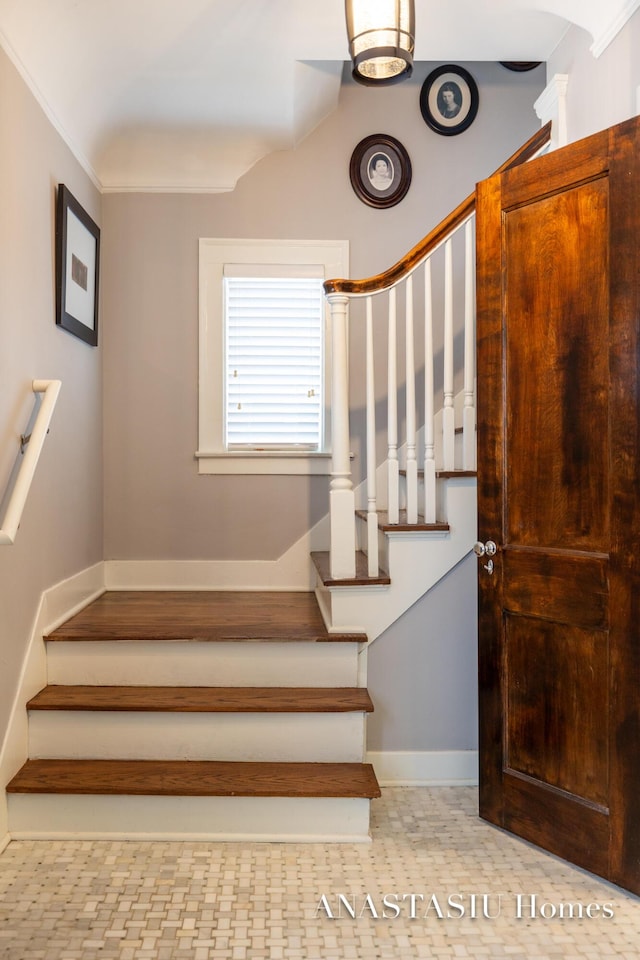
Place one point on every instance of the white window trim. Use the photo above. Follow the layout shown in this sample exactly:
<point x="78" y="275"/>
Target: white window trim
<point x="214" y="253"/>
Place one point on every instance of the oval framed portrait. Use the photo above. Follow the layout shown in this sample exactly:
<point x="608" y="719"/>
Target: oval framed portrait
<point x="520" y="66"/>
<point x="380" y="171"/>
<point x="449" y="100"/>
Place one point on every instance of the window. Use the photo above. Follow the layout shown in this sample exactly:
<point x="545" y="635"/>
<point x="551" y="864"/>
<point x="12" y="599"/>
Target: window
<point x="274" y="362"/>
<point x="264" y="355"/>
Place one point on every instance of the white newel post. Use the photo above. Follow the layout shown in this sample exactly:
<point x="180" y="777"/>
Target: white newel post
<point x="341" y="496"/>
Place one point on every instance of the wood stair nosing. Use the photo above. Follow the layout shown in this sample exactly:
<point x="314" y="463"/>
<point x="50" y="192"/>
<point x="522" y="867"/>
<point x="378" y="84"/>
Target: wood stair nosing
<point x="321" y="560"/>
<point x="196" y="778"/>
<point x="203" y="699"/>
<point x="403" y="526"/>
<point x="446" y="474"/>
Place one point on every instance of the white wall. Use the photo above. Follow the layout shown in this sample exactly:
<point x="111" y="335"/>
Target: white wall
<point x="61" y="530"/>
<point x="601" y="91"/>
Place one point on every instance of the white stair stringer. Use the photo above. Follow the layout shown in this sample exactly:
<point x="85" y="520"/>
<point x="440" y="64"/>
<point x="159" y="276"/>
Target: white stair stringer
<point x="416" y="562"/>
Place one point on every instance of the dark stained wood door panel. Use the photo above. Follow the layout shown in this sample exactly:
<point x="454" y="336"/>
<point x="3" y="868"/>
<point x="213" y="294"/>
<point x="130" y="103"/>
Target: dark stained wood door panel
<point x="559" y="489"/>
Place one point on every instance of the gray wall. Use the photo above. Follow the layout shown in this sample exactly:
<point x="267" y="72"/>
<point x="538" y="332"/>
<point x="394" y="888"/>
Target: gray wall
<point x="156" y="505"/>
<point x="61" y="531"/>
<point x="422" y="672"/>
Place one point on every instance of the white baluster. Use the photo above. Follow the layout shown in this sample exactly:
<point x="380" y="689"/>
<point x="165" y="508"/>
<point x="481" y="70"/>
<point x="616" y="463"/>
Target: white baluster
<point x="393" y="472"/>
<point x="341" y="496"/>
<point x="429" y="437"/>
<point x="412" y="463"/>
<point x="448" y="413"/>
<point x="469" y="411"/>
<point x="372" y="511"/>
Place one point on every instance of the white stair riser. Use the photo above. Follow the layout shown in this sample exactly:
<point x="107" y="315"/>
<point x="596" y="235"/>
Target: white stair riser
<point x="328" y="737"/>
<point x="242" y="664"/>
<point x="283" y="819"/>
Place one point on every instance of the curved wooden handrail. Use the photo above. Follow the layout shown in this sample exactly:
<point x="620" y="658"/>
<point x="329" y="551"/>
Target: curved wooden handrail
<point x="402" y="268"/>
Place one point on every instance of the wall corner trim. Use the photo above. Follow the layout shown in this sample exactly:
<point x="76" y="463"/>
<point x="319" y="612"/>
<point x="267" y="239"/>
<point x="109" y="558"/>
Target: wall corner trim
<point x="602" y="40"/>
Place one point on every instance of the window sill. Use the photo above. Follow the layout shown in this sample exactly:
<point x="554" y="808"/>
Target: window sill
<point x="258" y="462"/>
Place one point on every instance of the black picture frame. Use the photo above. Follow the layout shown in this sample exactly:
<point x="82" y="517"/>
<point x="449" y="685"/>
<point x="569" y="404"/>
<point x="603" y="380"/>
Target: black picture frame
<point x="449" y="100"/>
<point x="380" y="171"/>
<point x="77" y="268"/>
<point x="520" y="66"/>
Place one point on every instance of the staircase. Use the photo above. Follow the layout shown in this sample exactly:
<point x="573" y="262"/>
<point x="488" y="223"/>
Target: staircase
<point x="241" y="715"/>
<point x="197" y="715"/>
<point x="412" y="558"/>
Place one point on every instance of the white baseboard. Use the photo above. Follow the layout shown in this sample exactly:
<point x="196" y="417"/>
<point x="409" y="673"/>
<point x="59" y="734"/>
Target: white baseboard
<point x="4" y="843"/>
<point x="293" y="570"/>
<point x="432" y="768"/>
<point x="57" y="604"/>
<point x="279" y="574"/>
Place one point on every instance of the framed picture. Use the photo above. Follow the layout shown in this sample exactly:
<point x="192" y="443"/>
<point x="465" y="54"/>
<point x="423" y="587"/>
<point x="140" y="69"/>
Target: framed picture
<point x="449" y="100"/>
<point x="380" y="171"/>
<point x="520" y="66"/>
<point x="77" y="268"/>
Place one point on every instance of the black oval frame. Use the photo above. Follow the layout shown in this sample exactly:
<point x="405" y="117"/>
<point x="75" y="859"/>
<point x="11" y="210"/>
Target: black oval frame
<point x="520" y="66"/>
<point x="468" y="108"/>
<point x="401" y="164"/>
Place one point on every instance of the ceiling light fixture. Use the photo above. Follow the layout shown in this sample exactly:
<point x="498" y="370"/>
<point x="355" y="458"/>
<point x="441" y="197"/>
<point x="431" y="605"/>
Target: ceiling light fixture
<point x="381" y="40"/>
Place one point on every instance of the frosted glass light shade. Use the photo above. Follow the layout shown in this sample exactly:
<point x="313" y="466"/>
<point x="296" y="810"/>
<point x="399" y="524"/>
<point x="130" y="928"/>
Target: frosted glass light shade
<point x="381" y="39"/>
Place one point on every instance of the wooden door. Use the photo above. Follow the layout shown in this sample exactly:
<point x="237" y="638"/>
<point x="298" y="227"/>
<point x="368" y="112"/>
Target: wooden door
<point x="559" y="489"/>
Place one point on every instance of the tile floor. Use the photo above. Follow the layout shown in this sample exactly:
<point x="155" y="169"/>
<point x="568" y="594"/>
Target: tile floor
<point x="167" y="901"/>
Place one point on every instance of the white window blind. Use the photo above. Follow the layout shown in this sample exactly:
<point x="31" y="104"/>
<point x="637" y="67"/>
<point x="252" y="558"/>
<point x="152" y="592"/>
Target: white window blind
<point x="262" y="437"/>
<point x="274" y="361"/>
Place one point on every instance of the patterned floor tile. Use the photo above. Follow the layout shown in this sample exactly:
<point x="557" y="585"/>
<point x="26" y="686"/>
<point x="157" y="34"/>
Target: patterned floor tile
<point x="435" y="883"/>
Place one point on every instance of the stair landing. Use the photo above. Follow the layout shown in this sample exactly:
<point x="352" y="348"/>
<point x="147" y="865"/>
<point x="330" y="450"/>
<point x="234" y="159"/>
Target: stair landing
<point x="201" y="616"/>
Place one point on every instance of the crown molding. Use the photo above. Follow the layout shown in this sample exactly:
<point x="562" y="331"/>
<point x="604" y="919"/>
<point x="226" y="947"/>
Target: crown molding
<point x="602" y="40"/>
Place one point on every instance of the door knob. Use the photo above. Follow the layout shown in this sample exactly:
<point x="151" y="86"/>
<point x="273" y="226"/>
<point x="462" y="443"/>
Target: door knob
<point x="488" y="549"/>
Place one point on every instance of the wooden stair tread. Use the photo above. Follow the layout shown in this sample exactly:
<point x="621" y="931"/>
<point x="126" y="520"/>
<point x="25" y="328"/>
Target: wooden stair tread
<point x="403" y="526"/>
<point x="204" y="699"/>
<point x="321" y="559"/>
<point x="195" y="778"/>
<point x="201" y="616"/>
<point x="446" y="474"/>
